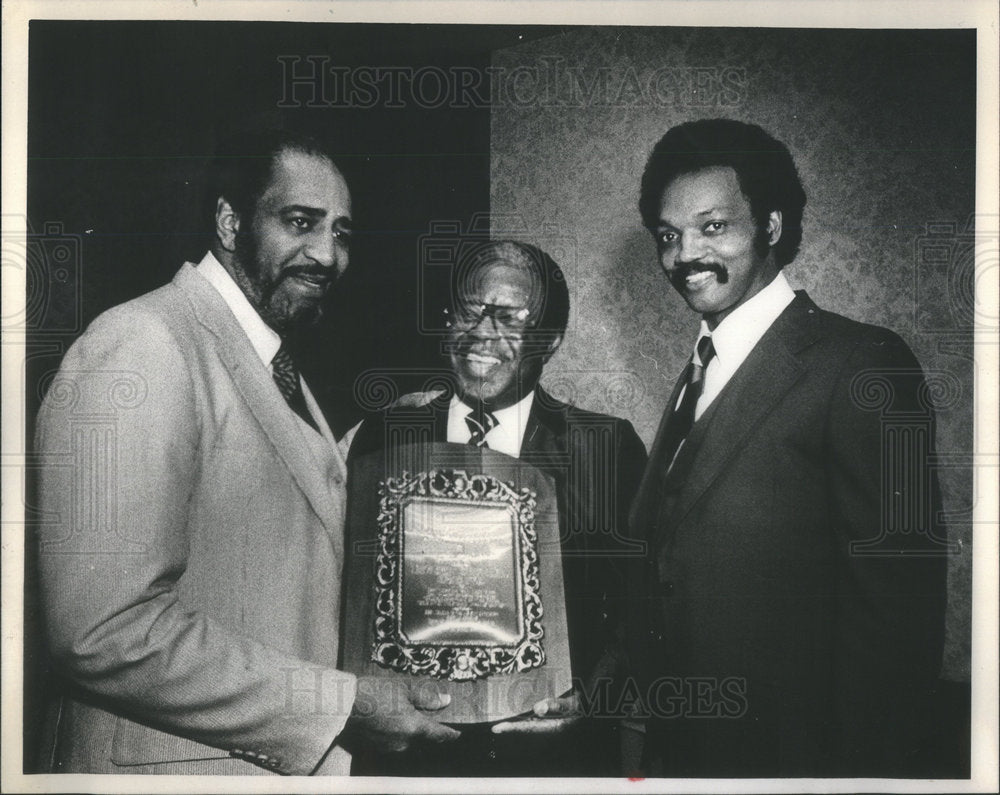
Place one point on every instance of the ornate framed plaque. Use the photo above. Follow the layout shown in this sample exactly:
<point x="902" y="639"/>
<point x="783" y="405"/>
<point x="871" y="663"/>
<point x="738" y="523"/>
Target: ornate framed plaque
<point x="456" y="577"/>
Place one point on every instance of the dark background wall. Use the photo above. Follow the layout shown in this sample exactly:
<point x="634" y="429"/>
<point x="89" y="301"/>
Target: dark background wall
<point x="882" y="127"/>
<point x="123" y="118"/>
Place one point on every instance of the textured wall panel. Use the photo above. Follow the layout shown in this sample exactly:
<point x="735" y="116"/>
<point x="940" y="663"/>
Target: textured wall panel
<point x="881" y="124"/>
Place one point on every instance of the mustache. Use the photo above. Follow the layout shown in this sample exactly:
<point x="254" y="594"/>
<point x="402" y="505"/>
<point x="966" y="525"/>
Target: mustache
<point x="329" y="274"/>
<point x="681" y="270"/>
<point x="318" y="271"/>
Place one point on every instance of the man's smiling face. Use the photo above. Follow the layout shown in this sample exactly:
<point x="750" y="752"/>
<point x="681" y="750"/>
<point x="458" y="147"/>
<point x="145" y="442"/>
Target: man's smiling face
<point x="296" y="245"/>
<point x="708" y="244"/>
<point x="498" y="358"/>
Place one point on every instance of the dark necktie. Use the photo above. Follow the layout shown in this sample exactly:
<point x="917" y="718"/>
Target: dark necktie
<point x="286" y="376"/>
<point x="683" y="417"/>
<point x="479" y="427"/>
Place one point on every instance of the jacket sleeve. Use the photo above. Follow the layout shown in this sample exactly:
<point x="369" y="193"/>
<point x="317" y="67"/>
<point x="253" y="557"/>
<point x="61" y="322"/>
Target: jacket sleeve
<point x="628" y="464"/>
<point x="885" y="505"/>
<point x="117" y="437"/>
<point x="632" y="459"/>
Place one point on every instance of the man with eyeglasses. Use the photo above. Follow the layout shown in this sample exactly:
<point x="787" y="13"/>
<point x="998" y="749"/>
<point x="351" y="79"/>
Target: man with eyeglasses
<point x="508" y="316"/>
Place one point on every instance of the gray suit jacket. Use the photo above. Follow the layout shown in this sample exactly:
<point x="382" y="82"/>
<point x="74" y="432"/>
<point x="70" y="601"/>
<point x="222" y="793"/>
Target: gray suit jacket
<point x="190" y="551"/>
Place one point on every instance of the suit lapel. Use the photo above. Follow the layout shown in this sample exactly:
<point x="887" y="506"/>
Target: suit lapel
<point x="545" y="431"/>
<point x="255" y="385"/>
<point x="441" y="423"/>
<point x="325" y="431"/>
<point x="757" y="387"/>
<point x="648" y="494"/>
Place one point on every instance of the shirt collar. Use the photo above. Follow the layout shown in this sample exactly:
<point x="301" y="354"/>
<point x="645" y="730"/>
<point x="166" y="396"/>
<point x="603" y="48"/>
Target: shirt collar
<point x="737" y="334"/>
<point x="264" y="339"/>
<point x="512" y="422"/>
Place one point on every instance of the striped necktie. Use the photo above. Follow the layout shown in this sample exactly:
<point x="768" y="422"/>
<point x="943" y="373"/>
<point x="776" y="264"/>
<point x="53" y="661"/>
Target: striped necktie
<point x="683" y="417"/>
<point x="286" y="376"/>
<point x="478" y="428"/>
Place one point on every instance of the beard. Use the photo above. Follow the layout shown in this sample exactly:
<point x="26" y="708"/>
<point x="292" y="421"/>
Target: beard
<point x="263" y="290"/>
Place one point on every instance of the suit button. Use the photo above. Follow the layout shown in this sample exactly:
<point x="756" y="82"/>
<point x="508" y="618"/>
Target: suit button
<point x="668" y="587"/>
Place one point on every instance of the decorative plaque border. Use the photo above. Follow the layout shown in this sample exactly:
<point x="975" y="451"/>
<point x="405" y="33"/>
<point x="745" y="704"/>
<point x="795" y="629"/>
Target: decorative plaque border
<point x="466" y="662"/>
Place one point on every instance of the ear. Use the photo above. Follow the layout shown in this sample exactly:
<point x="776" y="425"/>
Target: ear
<point x="227" y="224"/>
<point x="552" y="347"/>
<point x="774" y="227"/>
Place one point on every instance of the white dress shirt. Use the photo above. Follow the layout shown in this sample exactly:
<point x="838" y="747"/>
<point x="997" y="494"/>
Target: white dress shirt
<point x="737" y="334"/>
<point x="265" y="340"/>
<point x="505" y="436"/>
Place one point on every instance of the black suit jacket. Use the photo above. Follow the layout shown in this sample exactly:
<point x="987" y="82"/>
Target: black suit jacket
<point x="790" y="617"/>
<point x="596" y="462"/>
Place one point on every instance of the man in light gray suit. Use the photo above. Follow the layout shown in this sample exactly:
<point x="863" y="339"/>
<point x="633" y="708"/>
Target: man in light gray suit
<point x="193" y="497"/>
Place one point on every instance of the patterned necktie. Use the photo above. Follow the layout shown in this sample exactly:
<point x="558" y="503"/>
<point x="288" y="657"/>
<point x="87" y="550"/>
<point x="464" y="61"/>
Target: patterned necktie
<point x="683" y="417"/>
<point x="478" y="429"/>
<point x="286" y="376"/>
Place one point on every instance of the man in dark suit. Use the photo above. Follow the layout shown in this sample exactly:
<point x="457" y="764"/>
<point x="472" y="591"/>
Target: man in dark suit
<point x="790" y="619"/>
<point x="508" y="316"/>
<point x="194" y="500"/>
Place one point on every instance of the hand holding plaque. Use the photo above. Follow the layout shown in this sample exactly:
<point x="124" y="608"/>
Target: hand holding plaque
<point x="387" y="715"/>
<point x="549" y="716"/>
<point x="553" y="716"/>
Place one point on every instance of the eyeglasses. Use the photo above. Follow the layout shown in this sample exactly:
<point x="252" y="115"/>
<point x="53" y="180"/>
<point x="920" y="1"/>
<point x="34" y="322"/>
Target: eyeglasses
<point x="466" y="317"/>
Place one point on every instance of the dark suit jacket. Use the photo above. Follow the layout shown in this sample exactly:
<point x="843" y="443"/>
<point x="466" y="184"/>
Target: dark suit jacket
<point x="790" y="617"/>
<point x="596" y="462"/>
